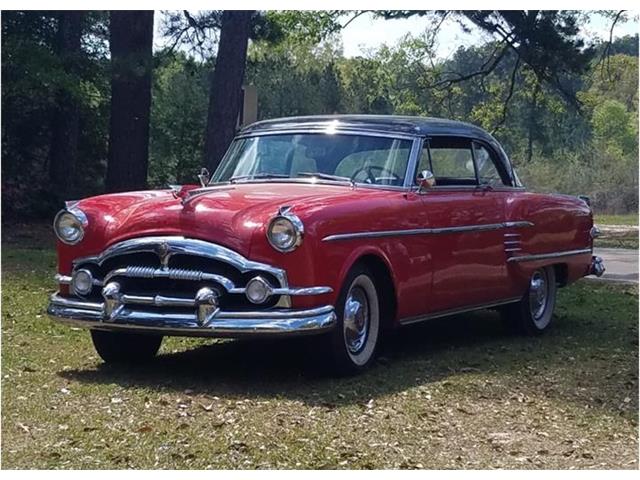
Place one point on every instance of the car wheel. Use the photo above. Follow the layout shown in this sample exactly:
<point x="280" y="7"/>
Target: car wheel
<point x="354" y="341"/>
<point x="119" y="347"/>
<point x="534" y="313"/>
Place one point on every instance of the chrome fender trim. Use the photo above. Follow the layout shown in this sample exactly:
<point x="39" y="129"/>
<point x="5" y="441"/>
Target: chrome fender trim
<point x="545" y="256"/>
<point x="428" y="231"/>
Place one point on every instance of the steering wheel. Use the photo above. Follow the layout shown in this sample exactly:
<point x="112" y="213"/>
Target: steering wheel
<point x="371" y="178"/>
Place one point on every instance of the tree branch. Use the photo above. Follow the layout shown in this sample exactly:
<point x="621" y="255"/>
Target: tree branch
<point x="358" y="14"/>
<point x="605" y="57"/>
<point x="488" y="67"/>
<point x="508" y="99"/>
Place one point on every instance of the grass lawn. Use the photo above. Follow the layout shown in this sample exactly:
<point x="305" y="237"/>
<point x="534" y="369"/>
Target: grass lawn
<point x="626" y="219"/>
<point x="454" y="393"/>
<point x="627" y="241"/>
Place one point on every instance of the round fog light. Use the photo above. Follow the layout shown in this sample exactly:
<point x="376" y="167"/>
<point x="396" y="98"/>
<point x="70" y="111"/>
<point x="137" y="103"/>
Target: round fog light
<point x="82" y="282"/>
<point x="258" y="290"/>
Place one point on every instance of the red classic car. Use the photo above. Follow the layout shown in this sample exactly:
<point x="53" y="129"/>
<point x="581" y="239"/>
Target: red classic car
<point x="340" y="226"/>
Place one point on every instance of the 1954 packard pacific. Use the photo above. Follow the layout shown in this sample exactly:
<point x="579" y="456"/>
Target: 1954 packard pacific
<point x="338" y="226"/>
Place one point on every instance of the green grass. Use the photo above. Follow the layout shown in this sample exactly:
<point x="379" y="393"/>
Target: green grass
<point x="455" y="393"/>
<point x="604" y="242"/>
<point x="626" y="219"/>
<point x="628" y="240"/>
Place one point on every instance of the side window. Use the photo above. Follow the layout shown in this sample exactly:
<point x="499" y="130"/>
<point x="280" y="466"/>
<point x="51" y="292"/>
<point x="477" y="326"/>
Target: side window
<point x="452" y="161"/>
<point x="490" y="171"/>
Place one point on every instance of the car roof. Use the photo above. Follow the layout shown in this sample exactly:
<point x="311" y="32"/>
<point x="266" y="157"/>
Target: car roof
<point x="421" y="126"/>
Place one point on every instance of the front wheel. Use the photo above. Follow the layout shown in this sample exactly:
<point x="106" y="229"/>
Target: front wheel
<point x="533" y="314"/>
<point x="122" y="347"/>
<point x="353" y="342"/>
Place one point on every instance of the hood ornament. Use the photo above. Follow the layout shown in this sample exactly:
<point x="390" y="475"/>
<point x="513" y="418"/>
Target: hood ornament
<point x="175" y="190"/>
<point x="163" y="251"/>
<point x="179" y="192"/>
<point x="204" y="177"/>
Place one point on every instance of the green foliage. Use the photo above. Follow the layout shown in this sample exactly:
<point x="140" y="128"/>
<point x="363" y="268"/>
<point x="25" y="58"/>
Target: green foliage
<point x="555" y="147"/>
<point x="614" y="127"/>
<point x="178" y="119"/>
<point x="301" y="26"/>
<point x="296" y="62"/>
<point x="32" y="77"/>
<point x="294" y="79"/>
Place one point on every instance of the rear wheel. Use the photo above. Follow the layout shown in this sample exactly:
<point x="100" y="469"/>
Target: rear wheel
<point x="533" y="314"/>
<point x="121" y="347"/>
<point x="353" y="343"/>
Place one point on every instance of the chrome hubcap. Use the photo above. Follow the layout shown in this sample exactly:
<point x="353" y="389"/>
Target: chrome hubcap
<point x="356" y="319"/>
<point x="538" y="295"/>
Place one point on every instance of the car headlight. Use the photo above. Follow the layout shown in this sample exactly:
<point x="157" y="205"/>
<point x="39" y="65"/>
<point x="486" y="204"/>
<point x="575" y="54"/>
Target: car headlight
<point x="285" y="231"/>
<point x="69" y="225"/>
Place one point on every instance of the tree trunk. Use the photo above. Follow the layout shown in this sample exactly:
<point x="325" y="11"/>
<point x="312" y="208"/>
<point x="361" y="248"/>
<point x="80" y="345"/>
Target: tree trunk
<point x="225" y="97"/>
<point x="532" y="121"/>
<point x="63" y="154"/>
<point x="131" y="41"/>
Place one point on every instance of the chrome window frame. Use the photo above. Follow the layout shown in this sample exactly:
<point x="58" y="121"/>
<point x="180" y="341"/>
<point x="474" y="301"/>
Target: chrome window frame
<point x="496" y="149"/>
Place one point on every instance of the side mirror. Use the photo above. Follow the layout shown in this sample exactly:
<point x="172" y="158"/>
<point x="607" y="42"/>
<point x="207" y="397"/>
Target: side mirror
<point x="204" y="177"/>
<point x="425" y="180"/>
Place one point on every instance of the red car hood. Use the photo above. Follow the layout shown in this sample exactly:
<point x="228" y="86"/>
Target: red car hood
<point x="227" y="215"/>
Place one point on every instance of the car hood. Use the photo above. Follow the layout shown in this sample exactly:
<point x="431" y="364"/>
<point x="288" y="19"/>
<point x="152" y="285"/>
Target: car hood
<point x="227" y="215"/>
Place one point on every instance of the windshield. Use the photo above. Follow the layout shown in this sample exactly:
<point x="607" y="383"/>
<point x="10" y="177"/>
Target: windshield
<point x="333" y="157"/>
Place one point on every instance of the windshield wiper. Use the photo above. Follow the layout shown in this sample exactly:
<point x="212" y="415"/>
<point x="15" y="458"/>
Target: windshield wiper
<point x="257" y="175"/>
<point x="327" y="176"/>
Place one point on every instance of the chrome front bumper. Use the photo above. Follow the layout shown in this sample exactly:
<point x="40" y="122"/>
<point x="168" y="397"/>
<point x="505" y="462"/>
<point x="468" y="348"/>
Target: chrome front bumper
<point x="223" y="324"/>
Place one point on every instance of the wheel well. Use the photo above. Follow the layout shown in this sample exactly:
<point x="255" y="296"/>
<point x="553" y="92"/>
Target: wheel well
<point x="385" y="286"/>
<point x="562" y="274"/>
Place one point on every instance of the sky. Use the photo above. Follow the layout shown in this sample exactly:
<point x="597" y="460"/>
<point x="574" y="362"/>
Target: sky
<point x="367" y="33"/>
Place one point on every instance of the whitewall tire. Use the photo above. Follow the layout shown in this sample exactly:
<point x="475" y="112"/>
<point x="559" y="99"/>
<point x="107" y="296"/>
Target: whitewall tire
<point x="356" y="337"/>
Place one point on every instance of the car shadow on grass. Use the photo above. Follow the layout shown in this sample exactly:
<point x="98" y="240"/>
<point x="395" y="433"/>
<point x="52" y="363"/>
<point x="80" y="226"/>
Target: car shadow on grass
<point x="464" y="352"/>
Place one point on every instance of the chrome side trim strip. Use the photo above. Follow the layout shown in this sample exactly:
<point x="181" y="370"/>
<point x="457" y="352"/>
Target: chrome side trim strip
<point x="456" y="311"/>
<point x="544" y="256"/>
<point x="427" y="231"/>
<point x="518" y="224"/>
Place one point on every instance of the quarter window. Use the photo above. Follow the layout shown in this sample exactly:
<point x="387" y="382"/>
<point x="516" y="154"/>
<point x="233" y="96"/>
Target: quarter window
<point x="488" y="172"/>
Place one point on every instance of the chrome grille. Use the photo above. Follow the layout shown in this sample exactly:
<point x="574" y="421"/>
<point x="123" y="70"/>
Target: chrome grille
<point x="150" y="270"/>
<point x="173" y="274"/>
